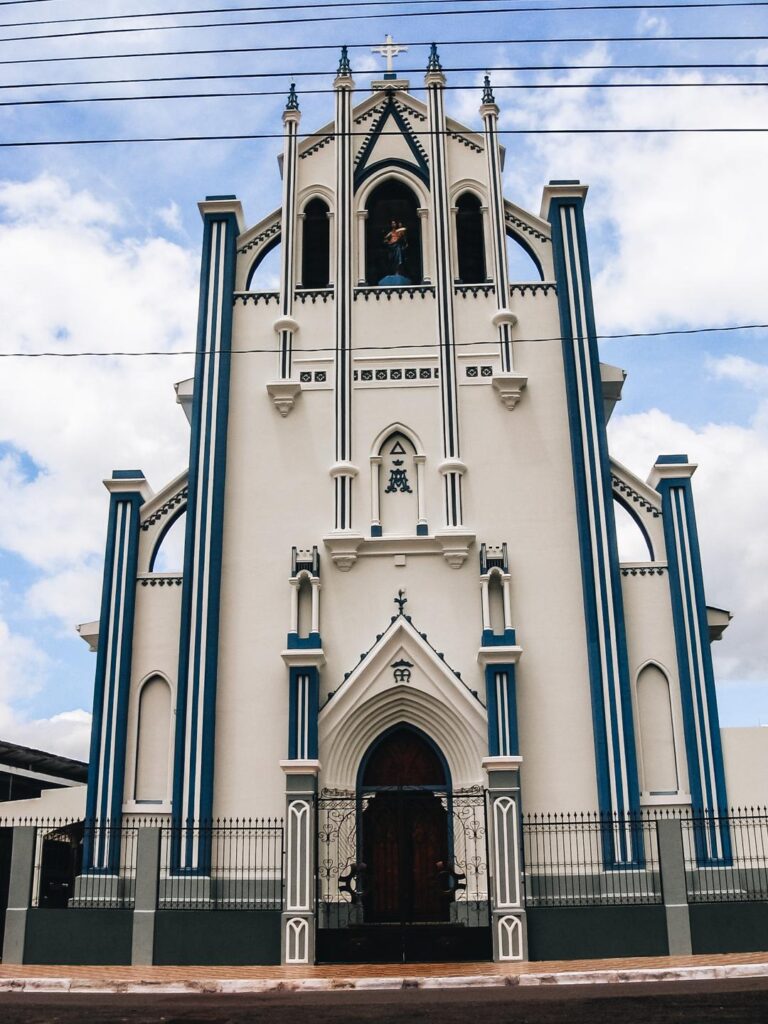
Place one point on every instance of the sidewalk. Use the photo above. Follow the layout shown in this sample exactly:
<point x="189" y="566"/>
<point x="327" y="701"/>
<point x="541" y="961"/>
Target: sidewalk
<point x="337" y="977"/>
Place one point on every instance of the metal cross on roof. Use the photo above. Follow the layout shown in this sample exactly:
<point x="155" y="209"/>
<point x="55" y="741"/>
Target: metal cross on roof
<point x="401" y="601"/>
<point x="389" y="50"/>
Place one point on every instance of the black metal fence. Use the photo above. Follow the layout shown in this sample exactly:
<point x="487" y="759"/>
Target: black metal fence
<point x="726" y="855"/>
<point x="243" y="865"/>
<point x="573" y="860"/>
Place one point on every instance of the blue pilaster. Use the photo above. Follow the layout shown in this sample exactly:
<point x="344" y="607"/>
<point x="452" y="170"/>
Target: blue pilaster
<point x="615" y="751"/>
<point x="304" y="690"/>
<point x="501" y="702"/>
<point x="106" y="774"/>
<point x="199" y="639"/>
<point x="706" y="774"/>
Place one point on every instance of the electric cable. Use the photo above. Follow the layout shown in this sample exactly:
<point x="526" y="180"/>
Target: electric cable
<point x="285" y="48"/>
<point x="265" y="23"/>
<point x="368" y="348"/>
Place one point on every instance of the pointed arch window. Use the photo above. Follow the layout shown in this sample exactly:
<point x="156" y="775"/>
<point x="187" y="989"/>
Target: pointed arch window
<point x="470" y="240"/>
<point x="316" y="245"/>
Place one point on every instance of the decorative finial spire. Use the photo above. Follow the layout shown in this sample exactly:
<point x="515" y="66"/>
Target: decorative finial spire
<point x="434" y="60"/>
<point x="344" y="68"/>
<point x="401" y="601"/>
<point x="292" y="103"/>
<point x="488" y="96"/>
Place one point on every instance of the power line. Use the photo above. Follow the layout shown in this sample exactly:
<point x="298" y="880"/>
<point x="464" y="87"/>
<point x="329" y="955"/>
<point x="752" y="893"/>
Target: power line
<point x="244" y="137"/>
<point x="371" y="348"/>
<point x="309" y="92"/>
<point x="357" y="4"/>
<point x="474" y="12"/>
<point x="283" y="48"/>
<point x="297" y="74"/>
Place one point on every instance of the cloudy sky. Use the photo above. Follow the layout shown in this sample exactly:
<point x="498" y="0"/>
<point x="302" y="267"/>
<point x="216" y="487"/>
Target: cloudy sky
<point x="99" y="251"/>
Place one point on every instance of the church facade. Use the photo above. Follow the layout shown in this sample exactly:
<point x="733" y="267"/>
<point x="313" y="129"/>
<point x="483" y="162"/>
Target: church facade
<point x="401" y="593"/>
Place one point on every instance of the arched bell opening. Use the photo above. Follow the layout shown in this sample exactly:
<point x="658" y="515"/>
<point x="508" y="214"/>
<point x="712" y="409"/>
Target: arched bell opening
<point x="393" y="235"/>
<point x="470" y="241"/>
<point x="316" y="245"/>
<point x="404" y="828"/>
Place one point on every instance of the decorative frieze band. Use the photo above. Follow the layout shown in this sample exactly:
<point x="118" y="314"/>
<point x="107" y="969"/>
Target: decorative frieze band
<point x="396" y="292"/>
<point x="178" y="499"/>
<point x="628" y="491"/>
<point x="644" y="570"/>
<point x="273" y="229"/>
<point x="256" y="298"/>
<point x="521" y="225"/>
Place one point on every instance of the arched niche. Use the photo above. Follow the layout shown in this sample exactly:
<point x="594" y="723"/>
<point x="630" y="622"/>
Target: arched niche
<point x="304" y="611"/>
<point x="496" y="617"/>
<point x="264" y="274"/>
<point x="316" y="244"/>
<point x="390" y="206"/>
<point x="168" y="553"/>
<point x="522" y="263"/>
<point x="397" y="485"/>
<point x="633" y="541"/>
<point x="153" y="738"/>
<point x="470" y="240"/>
<point x="658" y="754"/>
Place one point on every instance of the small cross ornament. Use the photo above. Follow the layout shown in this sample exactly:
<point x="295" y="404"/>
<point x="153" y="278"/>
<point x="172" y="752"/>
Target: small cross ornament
<point x="389" y="50"/>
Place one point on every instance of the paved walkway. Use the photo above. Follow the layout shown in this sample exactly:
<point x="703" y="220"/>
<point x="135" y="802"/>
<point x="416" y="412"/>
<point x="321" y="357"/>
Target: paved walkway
<point x="335" y="977"/>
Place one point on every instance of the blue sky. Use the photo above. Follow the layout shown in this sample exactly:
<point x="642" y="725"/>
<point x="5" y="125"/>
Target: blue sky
<point x="99" y="249"/>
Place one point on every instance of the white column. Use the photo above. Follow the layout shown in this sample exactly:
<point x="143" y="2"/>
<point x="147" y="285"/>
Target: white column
<point x="285" y="325"/>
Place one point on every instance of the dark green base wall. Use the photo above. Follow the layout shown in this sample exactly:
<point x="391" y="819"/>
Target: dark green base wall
<point x="217" y="937"/>
<point x="729" y="927"/>
<point x="590" y="933"/>
<point x="78" y="937"/>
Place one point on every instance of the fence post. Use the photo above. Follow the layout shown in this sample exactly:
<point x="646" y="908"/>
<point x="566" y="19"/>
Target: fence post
<point x="19" y="893"/>
<point x="298" y="920"/>
<point x="669" y="835"/>
<point x="508" y="922"/>
<point x="145" y="895"/>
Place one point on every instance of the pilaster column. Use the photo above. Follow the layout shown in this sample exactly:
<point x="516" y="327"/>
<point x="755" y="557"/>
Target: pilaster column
<point x="298" y="919"/>
<point x="362" y="217"/>
<point x="505" y="319"/>
<point x="671" y="476"/>
<point x="199" y="635"/>
<point x="106" y="774"/>
<point x="343" y="86"/>
<point x="606" y="645"/>
<point x="452" y="468"/>
<point x="505" y="860"/>
<point x="286" y="325"/>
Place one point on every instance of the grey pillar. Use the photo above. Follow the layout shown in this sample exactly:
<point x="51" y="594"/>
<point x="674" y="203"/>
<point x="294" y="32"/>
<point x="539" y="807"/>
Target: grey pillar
<point x="145" y="896"/>
<point x="508" y="922"/>
<point x="669" y="834"/>
<point x="298" y="921"/>
<point x="19" y="893"/>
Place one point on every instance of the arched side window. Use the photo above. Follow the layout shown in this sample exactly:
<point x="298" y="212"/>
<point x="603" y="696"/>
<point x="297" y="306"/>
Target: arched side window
<point x="495" y="595"/>
<point x="522" y="265"/>
<point x="264" y="275"/>
<point x="316" y="245"/>
<point x="153" y="738"/>
<point x="657" y="733"/>
<point x="168" y="554"/>
<point x="633" y="541"/>
<point x="397" y="488"/>
<point x="393" y="235"/>
<point x="304" y="627"/>
<point x="470" y="242"/>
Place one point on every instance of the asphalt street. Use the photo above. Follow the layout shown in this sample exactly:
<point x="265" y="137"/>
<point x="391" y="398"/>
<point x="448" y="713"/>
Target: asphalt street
<point x="727" y="1002"/>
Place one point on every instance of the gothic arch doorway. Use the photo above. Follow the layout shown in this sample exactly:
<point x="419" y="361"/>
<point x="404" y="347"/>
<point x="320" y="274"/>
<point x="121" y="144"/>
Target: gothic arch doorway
<point x="404" y="824"/>
<point x="402" y="860"/>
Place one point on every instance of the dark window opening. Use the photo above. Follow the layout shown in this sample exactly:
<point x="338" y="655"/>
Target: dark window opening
<point x="315" y="251"/>
<point x="393" y="236"/>
<point x="469" y="239"/>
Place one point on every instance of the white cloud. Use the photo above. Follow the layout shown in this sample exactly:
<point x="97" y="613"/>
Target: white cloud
<point x="170" y="215"/>
<point x="72" y="279"/>
<point x="675" y="221"/>
<point x="731" y="492"/>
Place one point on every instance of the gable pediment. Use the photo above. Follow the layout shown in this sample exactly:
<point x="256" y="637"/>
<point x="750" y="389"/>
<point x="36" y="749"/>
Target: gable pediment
<point x="392" y="141"/>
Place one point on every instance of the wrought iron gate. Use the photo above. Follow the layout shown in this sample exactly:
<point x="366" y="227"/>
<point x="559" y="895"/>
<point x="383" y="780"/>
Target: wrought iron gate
<point x="402" y="875"/>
